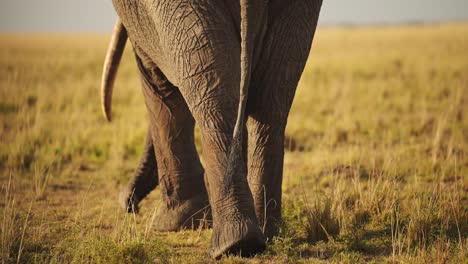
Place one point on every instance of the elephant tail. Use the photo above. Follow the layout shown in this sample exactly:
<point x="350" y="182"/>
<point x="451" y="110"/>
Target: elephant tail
<point x="235" y="154"/>
<point x="111" y="65"/>
<point x="245" y="63"/>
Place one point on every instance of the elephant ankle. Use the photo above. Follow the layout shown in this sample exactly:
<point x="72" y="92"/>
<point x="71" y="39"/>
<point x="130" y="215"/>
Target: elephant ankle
<point x="181" y="185"/>
<point x="175" y="215"/>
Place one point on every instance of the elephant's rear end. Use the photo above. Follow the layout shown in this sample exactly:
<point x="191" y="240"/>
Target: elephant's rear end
<point x="197" y="46"/>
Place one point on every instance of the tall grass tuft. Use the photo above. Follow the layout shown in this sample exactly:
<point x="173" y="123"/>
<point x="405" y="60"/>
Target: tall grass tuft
<point x="10" y="229"/>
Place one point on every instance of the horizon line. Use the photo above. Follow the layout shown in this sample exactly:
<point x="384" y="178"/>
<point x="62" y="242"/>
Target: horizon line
<point x="343" y="24"/>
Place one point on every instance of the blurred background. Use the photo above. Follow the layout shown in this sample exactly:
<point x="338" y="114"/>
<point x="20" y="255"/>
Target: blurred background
<point x="99" y="15"/>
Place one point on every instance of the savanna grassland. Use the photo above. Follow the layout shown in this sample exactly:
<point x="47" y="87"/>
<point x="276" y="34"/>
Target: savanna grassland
<point x="376" y="168"/>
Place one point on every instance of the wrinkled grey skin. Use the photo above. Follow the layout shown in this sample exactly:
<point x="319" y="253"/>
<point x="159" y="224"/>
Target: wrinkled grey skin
<point x="188" y="53"/>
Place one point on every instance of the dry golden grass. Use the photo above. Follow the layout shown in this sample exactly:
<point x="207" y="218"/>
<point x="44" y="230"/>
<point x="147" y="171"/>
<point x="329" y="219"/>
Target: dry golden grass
<point x="376" y="167"/>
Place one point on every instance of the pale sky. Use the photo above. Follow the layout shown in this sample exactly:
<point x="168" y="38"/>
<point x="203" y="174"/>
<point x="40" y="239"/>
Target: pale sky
<point x="99" y="15"/>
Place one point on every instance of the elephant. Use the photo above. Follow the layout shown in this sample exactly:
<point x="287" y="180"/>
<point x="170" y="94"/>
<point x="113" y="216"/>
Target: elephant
<point x="231" y="68"/>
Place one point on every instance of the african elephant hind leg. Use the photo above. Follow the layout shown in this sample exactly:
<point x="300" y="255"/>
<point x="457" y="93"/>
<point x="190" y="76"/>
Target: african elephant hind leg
<point x="184" y="196"/>
<point x="235" y="226"/>
<point x="285" y="51"/>
<point x="144" y="180"/>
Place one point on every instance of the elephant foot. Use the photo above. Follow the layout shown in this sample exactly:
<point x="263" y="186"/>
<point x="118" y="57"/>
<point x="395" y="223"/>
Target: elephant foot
<point x="128" y="201"/>
<point x="234" y="236"/>
<point x="188" y="214"/>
